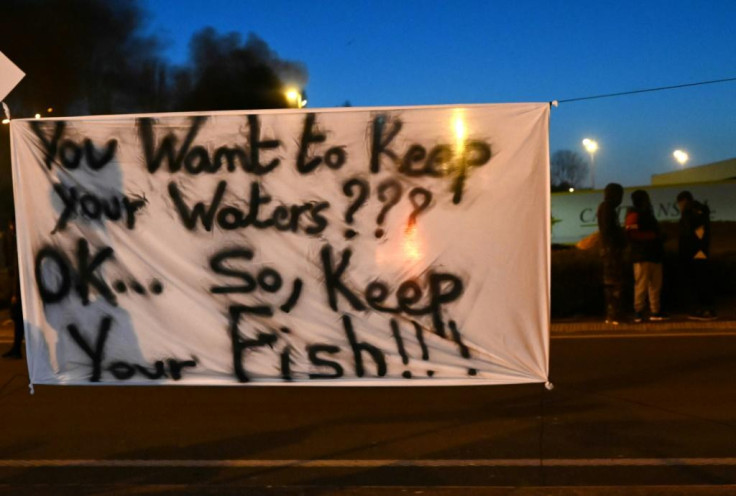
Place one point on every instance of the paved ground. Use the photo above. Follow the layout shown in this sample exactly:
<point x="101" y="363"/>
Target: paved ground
<point x="636" y="410"/>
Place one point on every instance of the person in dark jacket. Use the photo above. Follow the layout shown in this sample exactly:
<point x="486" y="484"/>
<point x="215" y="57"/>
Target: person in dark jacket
<point x="16" y="309"/>
<point x="613" y="242"/>
<point x="694" y="254"/>
<point x="647" y="253"/>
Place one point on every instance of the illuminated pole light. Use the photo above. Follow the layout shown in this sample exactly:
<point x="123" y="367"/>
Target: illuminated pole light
<point x="37" y="116"/>
<point x="571" y="190"/>
<point x="591" y="146"/>
<point x="294" y="97"/>
<point x="681" y="156"/>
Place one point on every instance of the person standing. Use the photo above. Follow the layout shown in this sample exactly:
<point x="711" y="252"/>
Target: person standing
<point x="613" y="242"/>
<point x="694" y="255"/>
<point x="16" y="309"/>
<point x="647" y="254"/>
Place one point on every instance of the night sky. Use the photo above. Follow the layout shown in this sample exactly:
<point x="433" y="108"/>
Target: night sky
<point x="376" y="53"/>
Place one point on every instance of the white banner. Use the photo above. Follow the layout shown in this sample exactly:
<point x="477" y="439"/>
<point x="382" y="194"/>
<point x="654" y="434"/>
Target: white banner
<point x="396" y="246"/>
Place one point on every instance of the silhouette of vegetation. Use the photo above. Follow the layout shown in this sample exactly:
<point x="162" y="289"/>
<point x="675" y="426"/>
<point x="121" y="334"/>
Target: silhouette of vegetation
<point x="225" y="73"/>
<point x="567" y="170"/>
<point x="85" y="57"/>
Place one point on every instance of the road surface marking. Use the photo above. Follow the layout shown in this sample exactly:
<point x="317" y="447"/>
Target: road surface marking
<point x="624" y="334"/>
<point x="377" y="463"/>
<point x="598" y="326"/>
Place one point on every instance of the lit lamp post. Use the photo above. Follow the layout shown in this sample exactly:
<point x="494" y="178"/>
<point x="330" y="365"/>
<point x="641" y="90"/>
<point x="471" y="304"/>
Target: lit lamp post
<point x="681" y="156"/>
<point x="591" y="146"/>
<point x="294" y="97"/>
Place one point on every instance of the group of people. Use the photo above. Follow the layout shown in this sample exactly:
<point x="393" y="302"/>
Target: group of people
<point x="642" y="235"/>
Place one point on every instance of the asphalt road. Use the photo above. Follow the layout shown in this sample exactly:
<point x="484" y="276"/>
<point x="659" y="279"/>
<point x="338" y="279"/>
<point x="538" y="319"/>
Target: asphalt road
<point x="628" y="415"/>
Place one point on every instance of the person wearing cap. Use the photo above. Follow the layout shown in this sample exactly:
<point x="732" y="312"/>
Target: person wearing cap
<point x="647" y="254"/>
<point x="613" y="242"/>
<point x="694" y="255"/>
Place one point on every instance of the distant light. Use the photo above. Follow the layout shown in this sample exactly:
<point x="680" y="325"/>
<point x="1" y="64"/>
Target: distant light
<point x="50" y="109"/>
<point x="292" y="95"/>
<point x="6" y="121"/>
<point x="37" y="116"/>
<point x="681" y="156"/>
<point x="295" y="98"/>
<point x="590" y="145"/>
<point x="571" y="190"/>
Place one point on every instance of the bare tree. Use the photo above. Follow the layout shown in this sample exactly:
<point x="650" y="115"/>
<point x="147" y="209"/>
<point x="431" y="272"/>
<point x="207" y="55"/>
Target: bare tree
<point x="567" y="169"/>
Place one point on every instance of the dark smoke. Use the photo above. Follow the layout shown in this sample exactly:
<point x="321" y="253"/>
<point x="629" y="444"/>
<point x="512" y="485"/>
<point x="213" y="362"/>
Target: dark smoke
<point x="84" y="57"/>
<point x="93" y="57"/>
<point x="79" y="56"/>
<point x="225" y="73"/>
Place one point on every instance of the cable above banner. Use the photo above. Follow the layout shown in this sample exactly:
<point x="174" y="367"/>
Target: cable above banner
<point x="392" y="246"/>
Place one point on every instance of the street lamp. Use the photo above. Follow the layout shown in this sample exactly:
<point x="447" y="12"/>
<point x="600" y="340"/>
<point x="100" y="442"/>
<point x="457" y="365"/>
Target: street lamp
<point x="591" y="146"/>
<point x="681" y="156"/>
<point x="294" y="97"/>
